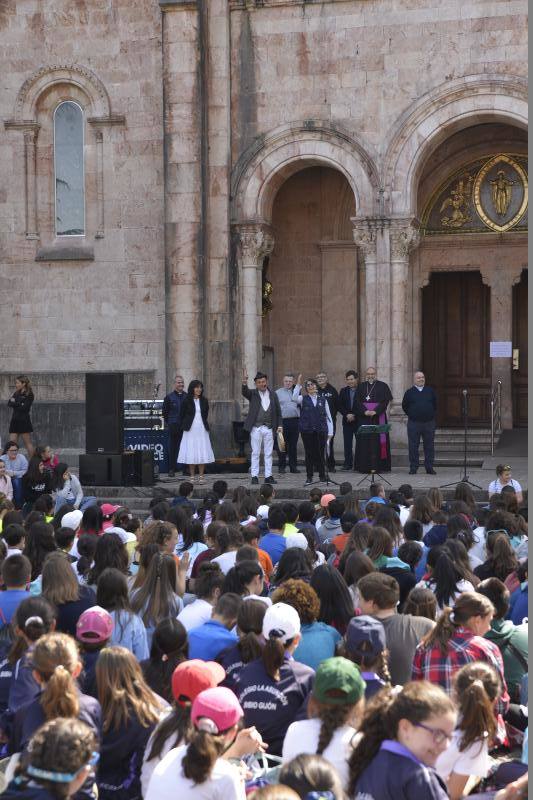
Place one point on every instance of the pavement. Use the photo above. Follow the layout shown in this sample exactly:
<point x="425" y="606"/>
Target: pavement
<point x="293" y="485"/>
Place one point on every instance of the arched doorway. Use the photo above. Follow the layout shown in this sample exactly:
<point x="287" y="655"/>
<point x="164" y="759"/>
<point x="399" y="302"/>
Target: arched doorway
<point x="472" y="252"/>
<point x="315" y="320"/>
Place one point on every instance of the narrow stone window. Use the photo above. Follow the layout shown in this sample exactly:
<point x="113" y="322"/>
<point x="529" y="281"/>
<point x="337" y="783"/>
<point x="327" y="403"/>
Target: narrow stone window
<point x="69" y="170"/>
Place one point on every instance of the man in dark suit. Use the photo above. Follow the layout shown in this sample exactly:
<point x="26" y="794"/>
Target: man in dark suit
<point x="262" y="423"/>
<point x="350" y="421"/>
<point x="420" y="404"/>
<point x="172" y="416"/>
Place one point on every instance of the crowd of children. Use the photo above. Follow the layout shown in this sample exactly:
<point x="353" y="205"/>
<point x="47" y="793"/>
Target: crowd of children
<point x="235" y="645"/>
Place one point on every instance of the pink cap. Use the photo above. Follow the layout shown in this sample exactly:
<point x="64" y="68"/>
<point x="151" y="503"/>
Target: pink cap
<point x="94" y="625"/>
<point x="215" y="710"/>
<point x="108" y="509"/>
<point x="325" y="499"/>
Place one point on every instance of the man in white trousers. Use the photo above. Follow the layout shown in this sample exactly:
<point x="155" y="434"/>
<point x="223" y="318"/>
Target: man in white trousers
<point x="263" y="421"/>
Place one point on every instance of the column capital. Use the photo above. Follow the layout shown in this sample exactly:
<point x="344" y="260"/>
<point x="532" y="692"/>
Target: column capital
<point x="256" y="241"/>
<point x="404" y="238"/>
<point x="364" y="231"/>
<point x="502" y="278"/>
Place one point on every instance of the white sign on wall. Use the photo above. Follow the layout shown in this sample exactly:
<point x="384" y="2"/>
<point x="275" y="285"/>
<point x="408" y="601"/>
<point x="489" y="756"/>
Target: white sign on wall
<point x="501" y="349"/>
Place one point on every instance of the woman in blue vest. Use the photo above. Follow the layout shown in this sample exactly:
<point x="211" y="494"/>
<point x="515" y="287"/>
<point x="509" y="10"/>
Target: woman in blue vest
<point x="316" y="428"/>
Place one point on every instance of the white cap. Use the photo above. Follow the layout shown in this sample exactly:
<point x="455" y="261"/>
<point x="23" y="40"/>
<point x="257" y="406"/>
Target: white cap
<point x="262" y="512"/>
<point x="297" y="540"/>
<point x="72" y="519"/>
<point x="125" y="536"/>
<point x="282" y="622"/>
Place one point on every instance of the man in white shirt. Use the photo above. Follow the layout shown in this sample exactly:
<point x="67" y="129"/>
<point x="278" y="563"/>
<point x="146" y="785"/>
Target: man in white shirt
<point x="290" y="413"/>
<point x="263" y="420"/>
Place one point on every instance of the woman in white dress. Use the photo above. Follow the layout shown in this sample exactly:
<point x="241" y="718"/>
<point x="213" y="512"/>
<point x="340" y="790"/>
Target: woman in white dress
<point x="195" y="448"/>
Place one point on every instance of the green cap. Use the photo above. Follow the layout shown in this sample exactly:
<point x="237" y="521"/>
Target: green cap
<point x="338" y="682"/>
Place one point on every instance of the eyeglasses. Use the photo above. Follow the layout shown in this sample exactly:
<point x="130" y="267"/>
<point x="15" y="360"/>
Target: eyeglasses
<point x="499" y="530"/>
<point x="439" y="736"/>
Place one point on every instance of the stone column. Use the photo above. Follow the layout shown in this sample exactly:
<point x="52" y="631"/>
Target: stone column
<point x="404" y="237"/>
<point x="100" y="222"/>
<point x="501" y="281"/>
<point x="185" y="280"/>
<point x="365" y="238"/>
<point x="255" y="243"/>
<point x="30" y="175"/>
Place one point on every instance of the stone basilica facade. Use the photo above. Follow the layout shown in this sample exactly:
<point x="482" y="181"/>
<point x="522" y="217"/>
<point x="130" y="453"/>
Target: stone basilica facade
<point x="202" y="185"/>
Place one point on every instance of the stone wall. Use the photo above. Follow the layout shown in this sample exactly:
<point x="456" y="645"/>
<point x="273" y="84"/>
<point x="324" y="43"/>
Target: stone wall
<point x="94" y="302"/>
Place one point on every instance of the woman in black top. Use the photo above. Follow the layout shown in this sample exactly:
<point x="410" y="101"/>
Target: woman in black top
<point x="36" y="482"/>
<point x="21" y="401"/>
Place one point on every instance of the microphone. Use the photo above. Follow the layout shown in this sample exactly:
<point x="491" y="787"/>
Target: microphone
<point x="465" y="392"/>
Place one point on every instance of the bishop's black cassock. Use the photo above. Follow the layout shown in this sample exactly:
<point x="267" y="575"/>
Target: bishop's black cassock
<point x="375" y="397"/>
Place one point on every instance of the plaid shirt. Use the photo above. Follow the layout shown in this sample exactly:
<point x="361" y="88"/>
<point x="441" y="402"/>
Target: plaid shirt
<point x="464" y="647"/>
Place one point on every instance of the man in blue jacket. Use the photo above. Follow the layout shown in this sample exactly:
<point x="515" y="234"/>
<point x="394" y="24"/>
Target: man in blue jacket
<point x="420" y="404"/>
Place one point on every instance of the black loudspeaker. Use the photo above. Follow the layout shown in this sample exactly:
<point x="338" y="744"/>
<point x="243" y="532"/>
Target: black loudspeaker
<point x="104" y="412"/>
<point x="131" y="468"/>
<point x="145" y="467"/>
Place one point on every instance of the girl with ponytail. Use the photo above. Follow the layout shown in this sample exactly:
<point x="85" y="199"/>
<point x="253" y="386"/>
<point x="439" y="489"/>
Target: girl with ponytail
<point x="274" y="688"/>
<point x="403" y="734"/>
<point x="34" y="617"/>
<point x="334" y="709"/>
<point x="250" y="644"/>
<point x="444" y="578"/>
<point x="458" y="639"/>
<point x="197" y="769"/>
<point x="56" y="665"/>
<point x="477" y="686"/>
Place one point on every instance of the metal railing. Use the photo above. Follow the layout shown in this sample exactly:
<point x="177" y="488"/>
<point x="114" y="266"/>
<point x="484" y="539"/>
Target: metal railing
<point x="495" y="413"/>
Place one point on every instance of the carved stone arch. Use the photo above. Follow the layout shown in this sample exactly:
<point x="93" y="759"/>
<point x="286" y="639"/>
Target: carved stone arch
<point x="454" y="106"/>
<point x="264" y="167"/>
<point x="33" y="87"/>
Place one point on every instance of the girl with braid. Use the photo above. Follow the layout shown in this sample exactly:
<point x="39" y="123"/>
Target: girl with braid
<point x="60" y="759"/>
<point x="334" y="709"/>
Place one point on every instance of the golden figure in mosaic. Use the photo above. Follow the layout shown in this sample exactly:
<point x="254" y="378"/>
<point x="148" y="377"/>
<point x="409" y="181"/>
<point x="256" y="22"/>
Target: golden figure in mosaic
<point x="266" y="297"/>
<point x="458" y="201"/>
<point x="502" y="192"/>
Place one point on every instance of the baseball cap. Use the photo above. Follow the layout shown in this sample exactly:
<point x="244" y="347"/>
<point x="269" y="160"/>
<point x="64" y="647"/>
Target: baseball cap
<point x="195" y="676"/>
<point x="365" y="629"/>
<point x="94" y="625"/>
<point x="262" y="512"/>
<point x="215" y="710"/>
<point x="281" y="621"/>
<point x="72" y="519"/>
<point x="108" y="509"/>
<point x="125" y="536"/>
<point x="338" y="682"/>
<point x="326" y="499"/>
<point x="296" y="540"/>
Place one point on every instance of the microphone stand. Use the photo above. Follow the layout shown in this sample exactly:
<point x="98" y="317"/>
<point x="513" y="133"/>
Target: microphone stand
<point x="464" y="478"/>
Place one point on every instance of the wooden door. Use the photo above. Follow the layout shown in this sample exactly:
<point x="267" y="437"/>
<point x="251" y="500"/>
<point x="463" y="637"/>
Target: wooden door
<point x="519" y="376"/>
<point x="455" y="345"/>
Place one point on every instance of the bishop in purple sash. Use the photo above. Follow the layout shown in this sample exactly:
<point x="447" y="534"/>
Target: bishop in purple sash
<point x="372" y="399"/>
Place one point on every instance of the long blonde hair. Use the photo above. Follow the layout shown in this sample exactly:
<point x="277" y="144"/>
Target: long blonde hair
<point x="122" y="690"/>
<point x="59" y="584"/>
<point x="55" y="658"/>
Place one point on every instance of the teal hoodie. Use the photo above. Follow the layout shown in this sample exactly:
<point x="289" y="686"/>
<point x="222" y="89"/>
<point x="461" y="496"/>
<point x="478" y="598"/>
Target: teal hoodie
<point x="504" y="632"/>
